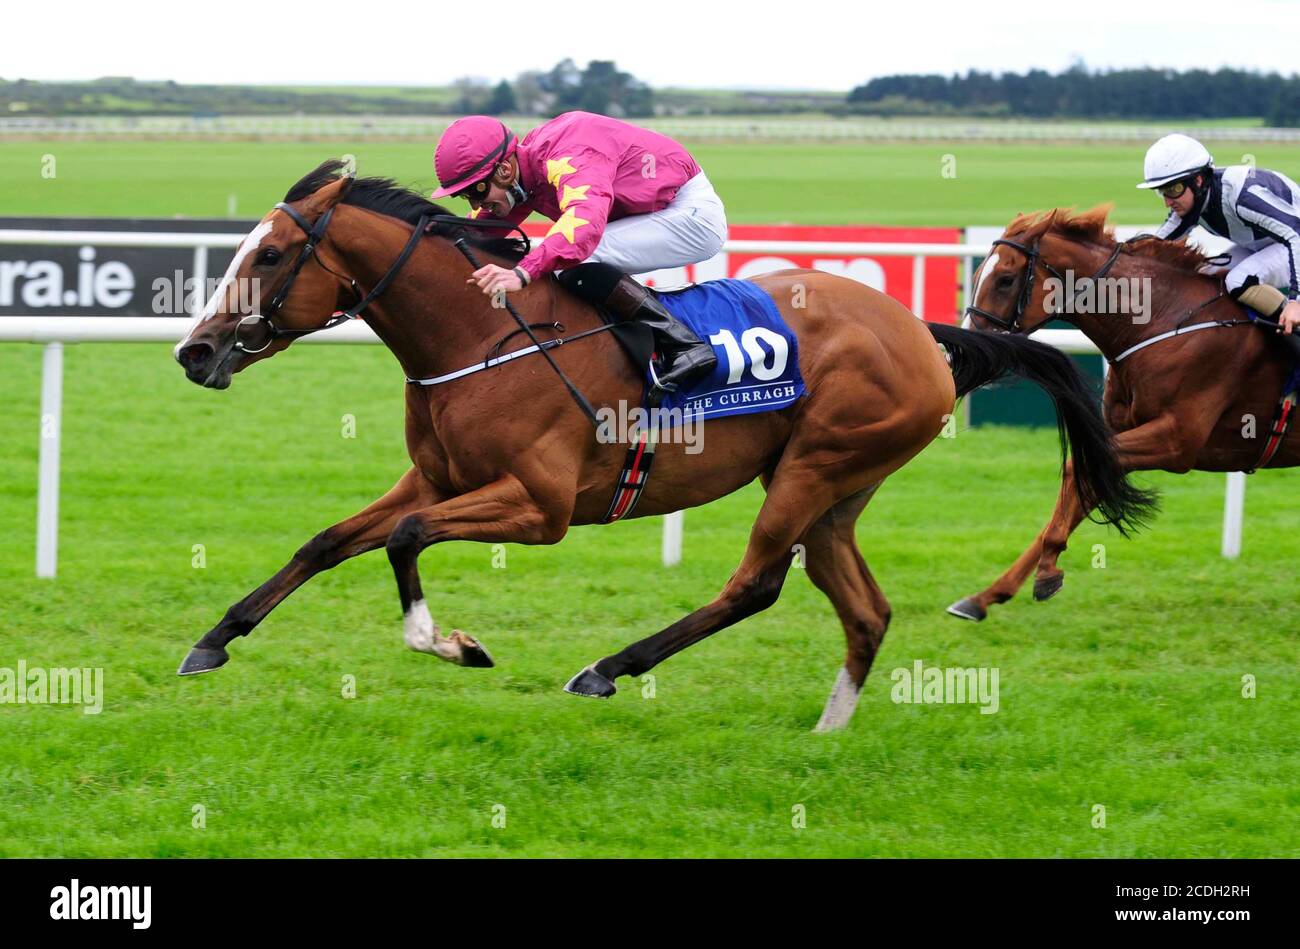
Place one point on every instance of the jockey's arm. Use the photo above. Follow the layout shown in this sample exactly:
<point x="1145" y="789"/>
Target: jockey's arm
<point x="1173" y="228"/>
<point x="1278" y="218"/>
<point x="584" y="187"/>
<point x="490" y="277"/>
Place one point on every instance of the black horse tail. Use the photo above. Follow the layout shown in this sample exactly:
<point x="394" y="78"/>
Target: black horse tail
<point x="980" y="358"/>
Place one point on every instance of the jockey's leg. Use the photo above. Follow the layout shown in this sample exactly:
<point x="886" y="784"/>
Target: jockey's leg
<point x="692" y="228"/>
<point x="1234" y="254"/>
<point x="1255" y="281"/>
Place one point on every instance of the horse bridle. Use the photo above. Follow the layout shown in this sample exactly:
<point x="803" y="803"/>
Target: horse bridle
<point x="1034" y="259"/>
<point x="315" y="235"/>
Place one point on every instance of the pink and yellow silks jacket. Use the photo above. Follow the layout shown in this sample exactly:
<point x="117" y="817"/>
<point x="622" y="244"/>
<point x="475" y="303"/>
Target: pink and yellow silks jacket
<point x="582" y="171"/>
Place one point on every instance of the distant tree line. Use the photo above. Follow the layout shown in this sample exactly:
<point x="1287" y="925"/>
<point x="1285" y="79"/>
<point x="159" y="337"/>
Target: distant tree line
<point x="602" y="87"/>
<point x="598" y="87"/>
<point x="122" y="95"/>
<point x="1082" y="93"/>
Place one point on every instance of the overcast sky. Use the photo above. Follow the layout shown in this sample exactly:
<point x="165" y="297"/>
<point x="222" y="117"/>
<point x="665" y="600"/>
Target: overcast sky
<point x="803" y="44"/>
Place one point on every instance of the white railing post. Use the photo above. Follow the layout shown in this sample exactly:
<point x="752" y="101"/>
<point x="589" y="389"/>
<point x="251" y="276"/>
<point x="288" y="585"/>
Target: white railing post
<point x="918" y="287"/>
<point x="967" y="274"/>
<point x="47" y="498"/>
<point x="195" y="302"/>
<point x="673" y="538"/>
<point x="1234" y="503"/>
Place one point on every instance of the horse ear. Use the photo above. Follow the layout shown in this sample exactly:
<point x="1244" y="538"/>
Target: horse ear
<point x="329" y="195"/>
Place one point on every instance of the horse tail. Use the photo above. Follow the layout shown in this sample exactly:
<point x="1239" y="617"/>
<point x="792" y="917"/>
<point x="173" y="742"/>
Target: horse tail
<point x="980" y="358"/>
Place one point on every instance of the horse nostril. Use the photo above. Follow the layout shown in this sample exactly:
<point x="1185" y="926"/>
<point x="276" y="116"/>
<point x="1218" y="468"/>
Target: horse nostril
<point x="194" y="356"/>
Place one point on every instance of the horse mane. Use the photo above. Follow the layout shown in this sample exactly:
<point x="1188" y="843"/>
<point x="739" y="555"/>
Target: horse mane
<point x="385" y="196"/>
<point x="1091" y="227"/>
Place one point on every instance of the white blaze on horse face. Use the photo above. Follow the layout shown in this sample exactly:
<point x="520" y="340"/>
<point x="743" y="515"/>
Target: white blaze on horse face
<point x="990" y="264"/>
<point x="246" y="247"/>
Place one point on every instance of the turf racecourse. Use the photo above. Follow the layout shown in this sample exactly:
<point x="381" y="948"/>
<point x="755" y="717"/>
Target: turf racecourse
<point x="761" y="182"/>
<point x="1125" y="691"/>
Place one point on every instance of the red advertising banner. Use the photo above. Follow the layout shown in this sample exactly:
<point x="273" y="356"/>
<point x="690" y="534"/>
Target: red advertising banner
<point x="892" y="275"/>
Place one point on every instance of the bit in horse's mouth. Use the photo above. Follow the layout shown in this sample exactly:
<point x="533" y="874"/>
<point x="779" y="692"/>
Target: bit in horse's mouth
<point x="218" y="377"/>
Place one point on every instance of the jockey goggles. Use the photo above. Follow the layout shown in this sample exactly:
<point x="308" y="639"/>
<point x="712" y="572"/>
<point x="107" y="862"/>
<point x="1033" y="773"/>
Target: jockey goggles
<point x="477" y="191"/>
<point x="1174" y="189"/>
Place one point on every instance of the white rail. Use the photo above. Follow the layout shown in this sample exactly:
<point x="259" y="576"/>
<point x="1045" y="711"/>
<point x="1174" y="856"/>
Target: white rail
<point x="429" y="127"/>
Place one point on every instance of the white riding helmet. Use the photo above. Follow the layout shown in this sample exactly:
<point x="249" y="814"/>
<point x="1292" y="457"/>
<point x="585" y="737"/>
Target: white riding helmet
<point x="1173" y="157"/>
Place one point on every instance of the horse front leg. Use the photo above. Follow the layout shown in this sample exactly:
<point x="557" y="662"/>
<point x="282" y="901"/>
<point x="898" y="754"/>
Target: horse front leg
<point x="1006" y="586"/>
<point x="1159" y="444"/>
<point x="1162" y="444"/>
<point x="795" y="499"/>
<point x="366" y="530"/>
<point x="501" y="512"/>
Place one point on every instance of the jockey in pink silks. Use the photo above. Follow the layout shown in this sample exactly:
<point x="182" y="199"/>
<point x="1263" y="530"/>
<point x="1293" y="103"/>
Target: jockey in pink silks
<point x="624" y="199"/>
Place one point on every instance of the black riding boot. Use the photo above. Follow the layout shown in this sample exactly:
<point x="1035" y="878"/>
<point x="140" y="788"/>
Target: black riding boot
<point x="682" y="355"/>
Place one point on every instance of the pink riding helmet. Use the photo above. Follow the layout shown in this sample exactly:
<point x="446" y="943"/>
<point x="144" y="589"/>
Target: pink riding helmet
<point x="469" y="151"/>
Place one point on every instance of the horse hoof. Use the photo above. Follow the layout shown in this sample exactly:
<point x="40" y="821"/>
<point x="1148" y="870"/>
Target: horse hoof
<point x="968" y="609"/>
<point x="590" y="682"/>
<point x="1047" y="587"/>
<point x="202" y="659"/>
<point x="472" y="653"/>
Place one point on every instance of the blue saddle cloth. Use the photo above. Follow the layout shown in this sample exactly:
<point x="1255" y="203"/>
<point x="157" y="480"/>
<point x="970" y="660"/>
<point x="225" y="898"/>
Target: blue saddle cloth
<point x="758" y="355"/>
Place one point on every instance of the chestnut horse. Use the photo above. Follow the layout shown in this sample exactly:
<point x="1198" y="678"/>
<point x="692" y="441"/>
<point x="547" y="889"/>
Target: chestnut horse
<point x="504" y="456"/>
<point x="1201" y="398"/>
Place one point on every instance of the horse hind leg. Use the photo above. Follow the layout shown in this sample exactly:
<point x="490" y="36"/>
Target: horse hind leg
<point x="835" y="566"/>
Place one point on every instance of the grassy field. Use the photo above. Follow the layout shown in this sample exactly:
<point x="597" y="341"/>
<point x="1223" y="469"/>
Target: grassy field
<point x="762" y="183"/>
<point x="1125" y="691"/>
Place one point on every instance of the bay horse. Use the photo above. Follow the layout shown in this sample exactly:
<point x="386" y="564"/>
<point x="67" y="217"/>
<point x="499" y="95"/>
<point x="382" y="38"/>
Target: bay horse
<point x="504" y="456"/>
<point x="1191" y="386"/>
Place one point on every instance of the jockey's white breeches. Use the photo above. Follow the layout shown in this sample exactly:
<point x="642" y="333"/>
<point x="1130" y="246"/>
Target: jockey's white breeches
<point x="692" y="228"/>
<point x="1268" y="260"/>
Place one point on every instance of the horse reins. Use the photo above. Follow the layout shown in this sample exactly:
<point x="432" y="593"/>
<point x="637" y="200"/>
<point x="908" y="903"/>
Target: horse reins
<point x="316" y="234"/>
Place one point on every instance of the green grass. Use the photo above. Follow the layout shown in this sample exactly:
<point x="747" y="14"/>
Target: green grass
<point x="765" y="183"/>
<point x="435" y="96"/>
<point x="1124" y="691"/>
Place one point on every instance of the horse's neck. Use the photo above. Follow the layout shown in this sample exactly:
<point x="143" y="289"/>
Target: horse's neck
<point x="1166" y="296"/>
<point x="429" y="317"/>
